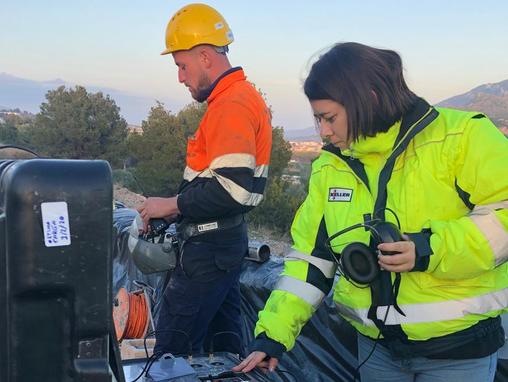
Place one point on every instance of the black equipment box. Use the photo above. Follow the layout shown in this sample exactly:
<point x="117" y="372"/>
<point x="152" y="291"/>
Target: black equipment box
<point x="55" y="270"/>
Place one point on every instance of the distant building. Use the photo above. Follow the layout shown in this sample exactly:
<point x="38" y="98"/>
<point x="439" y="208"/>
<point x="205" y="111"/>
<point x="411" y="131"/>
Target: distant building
<point x="134" y="129"/>
<point x="293" y="167"/>
<point x="293" y="179"/>
<point x="306" y="147"/>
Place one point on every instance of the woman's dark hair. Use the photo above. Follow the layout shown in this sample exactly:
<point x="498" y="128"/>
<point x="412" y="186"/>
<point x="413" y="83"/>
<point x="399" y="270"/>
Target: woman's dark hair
<point x="367" y="81"/>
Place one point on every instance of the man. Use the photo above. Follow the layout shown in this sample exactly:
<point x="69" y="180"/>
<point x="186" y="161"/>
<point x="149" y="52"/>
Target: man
<point x="225" y="176"/>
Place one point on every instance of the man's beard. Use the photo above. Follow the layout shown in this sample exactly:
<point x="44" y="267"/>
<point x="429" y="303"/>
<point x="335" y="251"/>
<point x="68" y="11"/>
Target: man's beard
<point x="202" y="89"/>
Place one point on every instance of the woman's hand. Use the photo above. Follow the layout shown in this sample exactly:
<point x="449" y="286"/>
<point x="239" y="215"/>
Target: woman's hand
<point x="256" y="358"/>
<point x="403" y="261"/>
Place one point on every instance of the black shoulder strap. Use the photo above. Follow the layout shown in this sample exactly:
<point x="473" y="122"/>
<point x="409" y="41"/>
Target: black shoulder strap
<point x="384" y="293"/>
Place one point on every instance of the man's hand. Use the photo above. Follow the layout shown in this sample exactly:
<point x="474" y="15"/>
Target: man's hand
<point x="403" y="261"/>
<point x="256" y="358"/>
<point x="157" y="208"/>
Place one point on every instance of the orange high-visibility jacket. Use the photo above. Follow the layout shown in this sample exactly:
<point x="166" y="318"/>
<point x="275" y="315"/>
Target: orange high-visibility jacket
<point x="228" y="157"/>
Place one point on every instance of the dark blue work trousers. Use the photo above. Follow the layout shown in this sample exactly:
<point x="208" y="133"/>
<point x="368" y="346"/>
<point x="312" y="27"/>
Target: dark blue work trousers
<point x="200" y="310"/>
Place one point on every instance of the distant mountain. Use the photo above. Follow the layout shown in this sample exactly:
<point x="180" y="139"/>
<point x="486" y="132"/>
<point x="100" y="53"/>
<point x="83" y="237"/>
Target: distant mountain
<point x="28" y="95"/>
<point x="302" y="135"/>
<point x="491" y="99"/>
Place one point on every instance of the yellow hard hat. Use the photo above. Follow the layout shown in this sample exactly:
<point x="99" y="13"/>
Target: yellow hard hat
<point x="196" y="24"/>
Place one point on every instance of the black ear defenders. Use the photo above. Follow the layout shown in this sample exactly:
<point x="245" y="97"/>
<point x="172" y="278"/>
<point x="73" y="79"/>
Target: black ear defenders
<point x="358" y="261"/>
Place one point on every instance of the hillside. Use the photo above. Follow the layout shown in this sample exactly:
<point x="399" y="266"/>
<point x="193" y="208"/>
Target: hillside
<point x="491" y="99"/>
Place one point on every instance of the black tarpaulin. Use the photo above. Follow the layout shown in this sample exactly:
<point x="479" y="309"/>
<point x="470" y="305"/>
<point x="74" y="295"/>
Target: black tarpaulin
<point x="326" y="349"/>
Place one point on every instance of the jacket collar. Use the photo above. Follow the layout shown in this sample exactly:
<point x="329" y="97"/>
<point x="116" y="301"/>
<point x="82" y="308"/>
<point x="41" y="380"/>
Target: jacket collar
<point x="224" y="81"/>
<point x="384" y="142"/>
<point x="381" y="144"/>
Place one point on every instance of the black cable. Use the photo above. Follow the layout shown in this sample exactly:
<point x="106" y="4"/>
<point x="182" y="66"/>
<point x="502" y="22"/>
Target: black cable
<point x="159" y="355"/>
<point x="144" y="343"/>
<point x="357" y="370"/>
<point x="345" y="230"/>
<point x="19" y="148"/>
<point x="168" y="331"/>
<point x="393" y="213"/>
<point x="221" y="333"/>
<point x="150" y="360"/>
<point x="155" y="356"/>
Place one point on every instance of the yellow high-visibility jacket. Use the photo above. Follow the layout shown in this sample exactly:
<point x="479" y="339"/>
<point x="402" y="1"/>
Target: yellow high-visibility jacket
<point x="447" y="181"/>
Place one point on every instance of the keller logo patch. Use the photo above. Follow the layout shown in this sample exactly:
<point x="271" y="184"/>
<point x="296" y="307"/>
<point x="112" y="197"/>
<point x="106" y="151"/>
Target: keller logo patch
<point x="340" y="195"/>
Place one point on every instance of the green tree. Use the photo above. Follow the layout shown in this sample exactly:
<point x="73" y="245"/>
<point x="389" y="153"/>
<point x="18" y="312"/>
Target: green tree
<point x="281" y="153"/>
<point x="14" y="129"/>
<point x="190" y="117"/>
<point x="281" y="200"/>
<point x="278" y="208"/>
<point x="160" y="151"/>
<point x="8" y="133"/>
<point x="75" y="124"/>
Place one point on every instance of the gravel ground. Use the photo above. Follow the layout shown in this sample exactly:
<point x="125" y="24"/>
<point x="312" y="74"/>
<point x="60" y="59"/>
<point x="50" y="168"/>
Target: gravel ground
<point x="128" y="198"/>
<point x="279" y="245"/>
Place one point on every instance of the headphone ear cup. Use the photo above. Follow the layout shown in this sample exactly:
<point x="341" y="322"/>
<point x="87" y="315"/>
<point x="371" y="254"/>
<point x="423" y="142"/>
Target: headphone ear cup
<point x="359" y="263"/>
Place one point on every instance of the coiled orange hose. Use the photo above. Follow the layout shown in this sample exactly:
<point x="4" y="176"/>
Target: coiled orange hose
<point x="130" y="314"/>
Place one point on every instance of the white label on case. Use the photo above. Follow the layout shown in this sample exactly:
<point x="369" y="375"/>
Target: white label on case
<point x="55" y="221"/>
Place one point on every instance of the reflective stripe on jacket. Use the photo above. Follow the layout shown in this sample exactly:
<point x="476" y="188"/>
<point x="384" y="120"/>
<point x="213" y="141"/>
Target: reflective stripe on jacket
<point x="449" y="189"/>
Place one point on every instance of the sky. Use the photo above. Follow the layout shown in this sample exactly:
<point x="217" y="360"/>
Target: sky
<point x="448" y="47"/>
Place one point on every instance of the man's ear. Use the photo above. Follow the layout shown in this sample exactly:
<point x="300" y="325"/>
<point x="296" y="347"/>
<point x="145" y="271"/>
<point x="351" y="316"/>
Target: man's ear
<point x="205" y="57"/>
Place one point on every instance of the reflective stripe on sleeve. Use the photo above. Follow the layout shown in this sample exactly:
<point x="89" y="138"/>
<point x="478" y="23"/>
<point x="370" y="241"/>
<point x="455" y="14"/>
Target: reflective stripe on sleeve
<point x="431" y="312"/>
<point x="234" y="160"/>
<point x="307" y="292"/>
<point x="261" y="171"/>
<point x="325" y="266"/>
<point x="238" y="193"/>
<point x="231" y="161"/>
<point x="485" y="219"/>
<point x="189" y="174"/>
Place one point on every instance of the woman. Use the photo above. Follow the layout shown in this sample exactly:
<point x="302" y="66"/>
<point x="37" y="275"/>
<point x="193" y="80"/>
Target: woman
<point x="434" y="307"/>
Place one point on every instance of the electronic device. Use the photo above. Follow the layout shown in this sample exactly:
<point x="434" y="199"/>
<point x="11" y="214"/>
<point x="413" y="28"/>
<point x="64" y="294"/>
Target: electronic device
<point x="55" y="272"/>
<point x="199" y="368"/>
